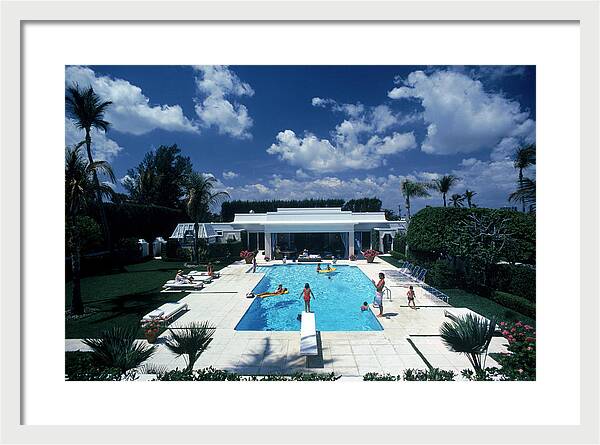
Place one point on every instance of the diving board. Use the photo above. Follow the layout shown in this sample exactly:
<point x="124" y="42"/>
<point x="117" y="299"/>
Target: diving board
<point x="308" y="334"/>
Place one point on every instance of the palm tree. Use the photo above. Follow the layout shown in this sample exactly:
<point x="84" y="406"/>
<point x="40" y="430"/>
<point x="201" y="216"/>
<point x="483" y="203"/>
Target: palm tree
<point x="191" y="341"/>
<point x="200" y="197"/>
<point x="80" y="190"/>
<point x="524" y="158"/>
<point x="469" y="194"/>
<point x="119" y="348"/>
<point x="457" y="200"/>
<point x="87" y="109"/>
<point x="444" y="184"/>
<point x="525" y="193"/>
<point x="470" y="335"/>
<point x="411" y="189"/>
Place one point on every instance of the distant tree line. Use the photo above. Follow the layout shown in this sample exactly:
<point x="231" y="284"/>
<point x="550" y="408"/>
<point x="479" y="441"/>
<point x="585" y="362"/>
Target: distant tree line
<point x="230" y="208"/>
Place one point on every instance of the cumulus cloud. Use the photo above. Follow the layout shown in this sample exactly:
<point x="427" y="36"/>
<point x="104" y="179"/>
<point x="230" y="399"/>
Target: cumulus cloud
<point x="216" y="84"/>
<point x="320" y="155"/>
<point x="358" y="142"/>
<point x="131" y="111"/>
<point x="230" y="175"/>
<point x="103" y="148"/>
<point x="462" y="117"/>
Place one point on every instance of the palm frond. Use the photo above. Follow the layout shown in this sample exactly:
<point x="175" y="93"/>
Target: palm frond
<point x="190" y="341"/>
<point x="119" y="348"/>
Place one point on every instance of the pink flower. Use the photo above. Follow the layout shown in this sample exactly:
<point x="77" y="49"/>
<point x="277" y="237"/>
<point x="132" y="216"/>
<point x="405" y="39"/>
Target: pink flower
<point x="519" y="323"/>
<point x="527" y="327"/>
<point x="505" y="332"/>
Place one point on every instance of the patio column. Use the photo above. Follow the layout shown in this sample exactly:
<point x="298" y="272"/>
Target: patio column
<point x="351" y="243"/>
<point x="268" y="250"/>
<point x="381" y="236"/>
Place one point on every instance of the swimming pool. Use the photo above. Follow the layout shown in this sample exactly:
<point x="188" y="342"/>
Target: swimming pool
<point x="339" y="296"/>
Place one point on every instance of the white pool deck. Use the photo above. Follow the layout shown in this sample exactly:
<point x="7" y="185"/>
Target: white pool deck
<point x="350" y="354"/>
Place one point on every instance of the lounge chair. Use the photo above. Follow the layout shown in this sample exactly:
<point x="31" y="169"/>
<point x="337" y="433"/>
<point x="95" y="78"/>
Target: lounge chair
<point x="172" y="285"/>
<point x="165" y="312"/>
<point x="194" y="273"/>
<point x="308" y="334"/>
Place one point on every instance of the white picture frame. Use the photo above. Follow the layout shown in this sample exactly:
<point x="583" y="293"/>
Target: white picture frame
<point x="16" y="13"/>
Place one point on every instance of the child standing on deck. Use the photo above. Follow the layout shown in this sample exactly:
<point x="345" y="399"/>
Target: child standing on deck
<point x="306" y="294"/>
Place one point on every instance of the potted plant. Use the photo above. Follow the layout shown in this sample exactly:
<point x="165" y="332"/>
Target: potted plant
<point x="247" y="255"/>
<point x="370" y="255"/>
<point x="151" y="329"/>
<point x="352" y="257"/>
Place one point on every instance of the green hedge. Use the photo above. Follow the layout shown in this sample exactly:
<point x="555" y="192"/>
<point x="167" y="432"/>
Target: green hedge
<point x="515" y="279"/>
<point x="127" y="220"/>
<point x="514" y="302"/>
<point x="435" y="230"/>
<point x="442" y="275"/>
<point x="399" y="243"/>
<point x="230" y="208"/>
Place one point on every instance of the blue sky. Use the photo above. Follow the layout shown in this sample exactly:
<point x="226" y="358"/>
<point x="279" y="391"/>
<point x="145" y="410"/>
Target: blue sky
<point x="287" y="132"/>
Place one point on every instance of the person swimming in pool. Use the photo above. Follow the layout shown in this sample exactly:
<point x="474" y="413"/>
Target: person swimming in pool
<point x="280" y="289"/>
<point x="328" y="267"/>
<point x="318" y="267"/>
<point x="365" y="306"/>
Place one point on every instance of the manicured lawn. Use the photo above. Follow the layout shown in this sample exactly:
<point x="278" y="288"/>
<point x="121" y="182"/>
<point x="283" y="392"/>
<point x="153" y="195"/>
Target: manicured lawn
<point x="483" y="306"/>
<point x="122" y="298"/>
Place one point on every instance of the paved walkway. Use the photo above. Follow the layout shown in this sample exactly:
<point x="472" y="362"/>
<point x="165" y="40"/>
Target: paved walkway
<point x="408" y="334"/>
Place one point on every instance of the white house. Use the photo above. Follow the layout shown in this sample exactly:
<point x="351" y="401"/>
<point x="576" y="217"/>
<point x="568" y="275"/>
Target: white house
<point x="288" y="231"/>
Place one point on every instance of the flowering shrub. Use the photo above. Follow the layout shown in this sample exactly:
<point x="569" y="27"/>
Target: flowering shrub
<point x="370" y="253"/>
<point x="352" y="257"/>
<point x="519" y="363"/>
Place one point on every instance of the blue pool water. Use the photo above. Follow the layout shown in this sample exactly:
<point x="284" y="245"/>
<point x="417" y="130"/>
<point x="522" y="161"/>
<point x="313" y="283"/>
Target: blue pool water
<point x="336" y="307"/>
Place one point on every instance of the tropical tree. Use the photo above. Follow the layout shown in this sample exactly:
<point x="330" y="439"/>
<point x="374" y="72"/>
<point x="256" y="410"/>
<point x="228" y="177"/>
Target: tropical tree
<point x="80" y="189"/>
<point x="190" y="341"/>
<point x="469" y="194"/>
<point x="525" y="193"/>
<point x="524" y="158"/>
<point x="87" y="109"/>
<point x="201" y="195"/>
<point x="470" y="335"/>
<point x="160" y="178"/>
<point x="444" y="184"/>
<point x="412" y="189"/>
<point x="119" y="348"/>
<point x="457" y="200"/>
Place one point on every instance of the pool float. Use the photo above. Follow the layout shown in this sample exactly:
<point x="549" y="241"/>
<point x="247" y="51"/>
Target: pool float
<point x="326" y="270"/>
<point x="271" y="294"/>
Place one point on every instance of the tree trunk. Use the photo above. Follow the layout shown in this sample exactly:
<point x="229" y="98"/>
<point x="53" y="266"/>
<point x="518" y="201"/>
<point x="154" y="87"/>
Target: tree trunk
<point x="444" y="196"/>
<point x="105" y="229"/>
<point x="76" y="300"/>
<point x="521" y="187"/>
<point x="408" y="208"/>
<point x="196" y="227"/>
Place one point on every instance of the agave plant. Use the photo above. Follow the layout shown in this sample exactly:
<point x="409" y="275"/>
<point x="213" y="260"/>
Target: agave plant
<point x="190" y="341"/>
<point x="470" y="335"/>
<point x="118" y="348"/>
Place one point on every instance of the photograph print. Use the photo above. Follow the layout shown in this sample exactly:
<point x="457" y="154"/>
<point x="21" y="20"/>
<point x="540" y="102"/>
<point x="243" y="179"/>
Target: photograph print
<point x="285" y="223"/>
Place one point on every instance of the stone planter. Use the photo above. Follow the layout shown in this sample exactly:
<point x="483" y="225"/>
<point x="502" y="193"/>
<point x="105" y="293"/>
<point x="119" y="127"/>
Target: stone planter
<point x="248" y="259"/>
<point x="370" y="259"/>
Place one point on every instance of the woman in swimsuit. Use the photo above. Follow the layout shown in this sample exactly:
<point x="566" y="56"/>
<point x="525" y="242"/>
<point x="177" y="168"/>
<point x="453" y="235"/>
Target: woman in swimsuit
<point x="411" y="297"/>
<point x="379" y="292"/>
<point x="306" y="294"/>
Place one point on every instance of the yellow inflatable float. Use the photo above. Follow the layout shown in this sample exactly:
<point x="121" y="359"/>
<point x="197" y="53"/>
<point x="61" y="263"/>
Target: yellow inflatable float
<point x="271" y="294"/>
<point x="326" y="270"/>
